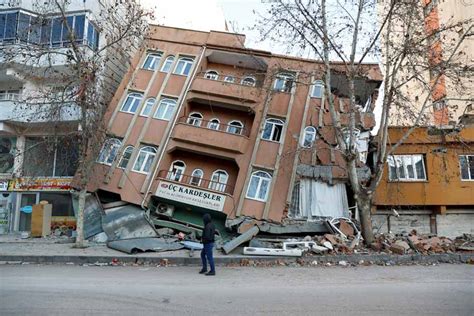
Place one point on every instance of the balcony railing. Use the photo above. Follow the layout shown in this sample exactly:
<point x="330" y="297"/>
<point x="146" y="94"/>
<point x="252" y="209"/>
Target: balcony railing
<point x="212" y="125"/>
<point x="196" y="181"/>
<point x="222" y="77"/>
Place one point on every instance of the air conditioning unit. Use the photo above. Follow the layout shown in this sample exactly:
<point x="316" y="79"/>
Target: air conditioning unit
<point x="164" y="209"/>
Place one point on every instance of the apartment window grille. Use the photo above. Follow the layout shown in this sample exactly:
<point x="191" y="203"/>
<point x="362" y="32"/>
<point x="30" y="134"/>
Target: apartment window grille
<point x="219" y="180"/>
<point x="259" y="186"/>
<point x="165" y="109"/>
<point x="196" y="177"/>
<point x="195" y="119"/>
<point x="229" y="79"/>
<point x="145" y="158"/>
<point x="183" y="66"/>
<point x="213" y="124"/>
<point x="273" y="130"/>
<point x="126" y="156"/>
<point x="406" y="168"/>
<point x="466" y="163"/>
<point x="131" y="103"/>
<point x="248" y="81"/>
<point x="235" y="127"/>
<point x="211" y="74"/>
<point x="109" y="151"/>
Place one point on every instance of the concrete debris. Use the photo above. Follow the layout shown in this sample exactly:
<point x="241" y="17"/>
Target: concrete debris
<point x="127" y="222"/>
<point x="234" y="243"/>
<point x="273" y="252"/>
<point x="319" y="250"/>
<point x="136" y="245"/>
<point x="342" y="263"/>
<point x="328" y="245"/>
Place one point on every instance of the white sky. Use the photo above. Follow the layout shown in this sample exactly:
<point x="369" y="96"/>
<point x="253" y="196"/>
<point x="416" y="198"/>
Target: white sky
<point x="206" y="15"/>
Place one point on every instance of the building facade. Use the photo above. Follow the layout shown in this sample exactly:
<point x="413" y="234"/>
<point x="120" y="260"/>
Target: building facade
<point x="202" y="124"/>
<point x="39" y="150"/>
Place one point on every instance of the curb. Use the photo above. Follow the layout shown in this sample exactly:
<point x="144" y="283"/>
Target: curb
<point x="386" y="259"/>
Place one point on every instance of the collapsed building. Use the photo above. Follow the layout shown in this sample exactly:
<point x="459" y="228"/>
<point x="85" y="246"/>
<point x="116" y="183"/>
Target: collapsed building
<point x="202" y="124"/>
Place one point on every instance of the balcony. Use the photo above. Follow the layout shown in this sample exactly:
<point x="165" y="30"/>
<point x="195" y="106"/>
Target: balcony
<point x="25" y="112"/>
<point x="222" y="136"/>
<point x="234" y="95"/>
<point x="196" y="182"/>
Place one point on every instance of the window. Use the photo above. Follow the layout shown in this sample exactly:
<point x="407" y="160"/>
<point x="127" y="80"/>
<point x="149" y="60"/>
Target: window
<point x="229" y="79"/>
<point x="196" y="177"/>
<point x="177" y="170"/>
<point x="218" y="180"/>
<point x="109" y="151"/>
<point x="92" y="36"/>
<point x="145" y="158"/>
<point x="126" y="155"/>
<point x="259" y="186"/>
<point x="318" y="89"/>
<point x="235" y="127"/>
<point x="10" y="95"/>
<point x="151" y="61"/>
<point x="284" y="82"/>
<point x="248" y="81"/>
<point x="167" y="64"/>
<point x="273" y="130"/>
<point x="148" y="107"/>
<point x="61" y="203"/>
<point x="165" y="109"/>
<point x="466" y="163"/>
<point x="183" y="67"/>
<point x="211" y="74"/>
<point x="50" y="156"/>
<point x="131" y="102"/>
<point x="309" y="137"/>
<point x="406" y="168"/>
<point x="195" y="119"/>
<point x="213" y="124"/>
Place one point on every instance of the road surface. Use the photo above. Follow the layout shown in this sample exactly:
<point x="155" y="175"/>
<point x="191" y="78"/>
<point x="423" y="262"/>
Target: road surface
<point x="373" y="290"/>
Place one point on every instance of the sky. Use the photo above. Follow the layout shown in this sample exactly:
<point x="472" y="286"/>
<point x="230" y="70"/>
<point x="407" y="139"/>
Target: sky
<point x="206" y="15"/>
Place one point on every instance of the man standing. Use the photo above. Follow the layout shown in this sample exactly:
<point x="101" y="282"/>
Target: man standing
<point x="208" y="243"/>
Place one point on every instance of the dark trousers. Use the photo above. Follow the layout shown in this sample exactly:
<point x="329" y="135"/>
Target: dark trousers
<point x="206" y="255"/>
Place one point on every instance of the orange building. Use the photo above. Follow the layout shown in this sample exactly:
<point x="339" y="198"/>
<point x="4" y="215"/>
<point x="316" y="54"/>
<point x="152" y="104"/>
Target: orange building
<point x="429" y="182"/>
<point x="201" y="123"/>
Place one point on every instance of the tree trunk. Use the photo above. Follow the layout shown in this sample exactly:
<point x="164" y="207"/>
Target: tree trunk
<point x="364" y="204"/>
<point x="80" y="220"/>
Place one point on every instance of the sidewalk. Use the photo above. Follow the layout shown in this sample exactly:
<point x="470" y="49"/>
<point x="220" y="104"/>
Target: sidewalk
<point x="13" y="249"/>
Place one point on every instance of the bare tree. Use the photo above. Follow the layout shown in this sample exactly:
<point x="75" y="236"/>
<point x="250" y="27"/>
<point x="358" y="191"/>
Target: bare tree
<point x="76" y="75"/>
<point x="394" y="32"/>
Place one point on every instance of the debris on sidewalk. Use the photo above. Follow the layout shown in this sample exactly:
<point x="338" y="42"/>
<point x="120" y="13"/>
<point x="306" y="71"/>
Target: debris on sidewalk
<point x="136" y="245"/>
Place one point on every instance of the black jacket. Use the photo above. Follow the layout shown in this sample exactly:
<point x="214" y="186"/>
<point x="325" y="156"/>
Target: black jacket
<point x="209" y="230"/>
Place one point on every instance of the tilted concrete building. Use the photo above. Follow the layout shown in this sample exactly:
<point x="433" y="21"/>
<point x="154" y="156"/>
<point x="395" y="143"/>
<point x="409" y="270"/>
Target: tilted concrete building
<point x="200" y="123"/>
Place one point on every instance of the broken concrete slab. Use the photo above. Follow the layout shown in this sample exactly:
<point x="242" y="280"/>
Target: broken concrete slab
<point x="319" y="249"/>
<point x="136" y="245"/>
<point x="234" y="243"/>
<point x="328" y="245"/>
<point x="346" y="228"/>
<point x="297" y="227"/>
<point x="272" y="252"/>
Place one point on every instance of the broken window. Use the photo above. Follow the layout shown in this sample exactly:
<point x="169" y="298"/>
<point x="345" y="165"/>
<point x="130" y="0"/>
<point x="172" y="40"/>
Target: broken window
<point x="259" y="186"/>
<point x="109" y="151"/>
<point x="466" y="163"/>
<point x="213" y="124"/>
<point x="284" y="82"/>
<point x="177" y="170"/>
<point x="309" y="137"/>
<point x="195" y="119"/>
<point x="212" y="74"/>
<point x="273" y="130"/>
<point x="249" y="81"/>
<point x="196" y="177"/>
<point x="406" y="168"/>
<point x="50" y="156"/>
<point x="127" y="154"/>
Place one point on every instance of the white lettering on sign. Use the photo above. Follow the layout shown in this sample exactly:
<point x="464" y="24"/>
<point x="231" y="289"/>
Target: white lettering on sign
<point x="192" y="196"/>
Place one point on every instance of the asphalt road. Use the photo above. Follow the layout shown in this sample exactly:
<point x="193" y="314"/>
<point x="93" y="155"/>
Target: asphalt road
<point x="373" y="290"/>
